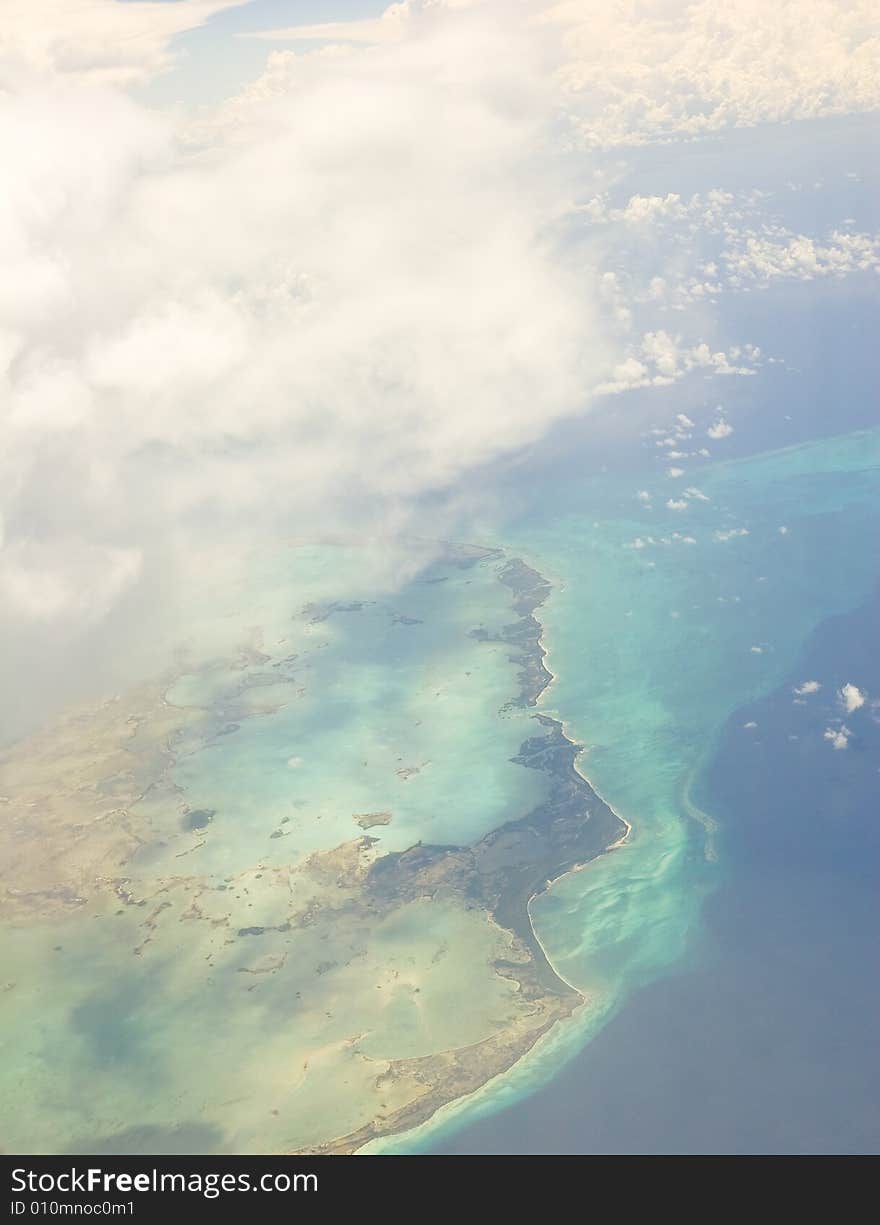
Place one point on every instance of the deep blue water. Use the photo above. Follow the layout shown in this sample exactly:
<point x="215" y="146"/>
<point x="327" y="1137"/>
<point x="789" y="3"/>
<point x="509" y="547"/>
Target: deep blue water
<point x="768" y="1040"/>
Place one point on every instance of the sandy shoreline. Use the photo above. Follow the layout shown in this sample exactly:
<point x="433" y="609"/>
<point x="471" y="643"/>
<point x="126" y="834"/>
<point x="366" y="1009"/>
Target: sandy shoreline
<point x="540" y="1038"/>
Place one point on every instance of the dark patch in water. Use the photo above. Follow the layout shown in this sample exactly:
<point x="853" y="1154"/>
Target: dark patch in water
<point x="198" y="818"/>
<point x="259" y="931"/>
<point x="320" y="612"/>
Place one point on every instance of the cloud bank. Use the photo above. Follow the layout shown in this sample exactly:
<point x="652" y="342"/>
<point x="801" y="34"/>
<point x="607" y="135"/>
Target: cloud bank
<point x="634" y="72"/>
<point x="342" y="290"/>
<point x="642" y="71"/>
<point x="307" y="309"/>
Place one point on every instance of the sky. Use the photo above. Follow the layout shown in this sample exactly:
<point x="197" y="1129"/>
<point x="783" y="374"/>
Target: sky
<point x="235" y="59"/>
<point x="289" y="269"/>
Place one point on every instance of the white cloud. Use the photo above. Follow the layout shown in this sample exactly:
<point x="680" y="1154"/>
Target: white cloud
<point x="724" y="534"/>
<point x="339" y="293"/>
<point x="747" y="247"/>
<point x="720" y="429"/>
<point x="347" y="285"/>
<point x="663" y="358"/>
<point x="808" y="687"/>
<point x="78" y="581"/>
<point x="675" y="472"/>
<point x="852" y="698"/>
<point x="760" y="260"/>
<point x="642" y="542"/>
<point x="838" y="736"/>
<point x="647" y="70"/>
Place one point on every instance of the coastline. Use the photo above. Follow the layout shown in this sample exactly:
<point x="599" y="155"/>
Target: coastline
<point x="575" y="819"/>
<point x="114" y="755"/>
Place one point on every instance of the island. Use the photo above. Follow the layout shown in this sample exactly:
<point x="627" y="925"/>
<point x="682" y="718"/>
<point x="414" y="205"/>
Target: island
<point x="345" y="992"/>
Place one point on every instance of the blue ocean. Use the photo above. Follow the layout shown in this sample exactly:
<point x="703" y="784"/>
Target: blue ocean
<point x="716" y="652"/>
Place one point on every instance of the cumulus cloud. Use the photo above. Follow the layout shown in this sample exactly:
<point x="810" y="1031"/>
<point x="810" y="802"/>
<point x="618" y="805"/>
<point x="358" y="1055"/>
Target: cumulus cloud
<point x="663" y="358"/>
<point x="761" y="259"/>
<point x="646" y="70"/>
<point x="808" y="687"/>
<point x="852" y="698"/>
<point x="837" y="736"/>
<point x="694" y="248"/>
<point x="641" y="71"/>
<point x="720" y="429"/>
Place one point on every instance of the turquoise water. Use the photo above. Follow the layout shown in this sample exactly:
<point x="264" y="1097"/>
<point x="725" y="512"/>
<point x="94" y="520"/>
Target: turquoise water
<point x="654" y="647"/>
<point x="662" y="622"/>
<point x="681" y="635"/>
<point x="355" y="703"/>
<point x="228" y="997"/>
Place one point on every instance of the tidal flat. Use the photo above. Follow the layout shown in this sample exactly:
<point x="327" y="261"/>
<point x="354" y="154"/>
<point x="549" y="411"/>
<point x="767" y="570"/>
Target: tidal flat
<point x="277" y="899"/>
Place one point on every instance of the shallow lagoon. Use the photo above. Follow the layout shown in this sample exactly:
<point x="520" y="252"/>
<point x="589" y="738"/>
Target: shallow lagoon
<point x="180" y="1006"/>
